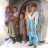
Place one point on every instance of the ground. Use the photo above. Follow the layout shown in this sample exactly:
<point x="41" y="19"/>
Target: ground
<point x="9" y="44"/>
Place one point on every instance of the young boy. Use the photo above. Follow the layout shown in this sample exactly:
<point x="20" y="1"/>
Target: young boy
<point x="32" y="25"/>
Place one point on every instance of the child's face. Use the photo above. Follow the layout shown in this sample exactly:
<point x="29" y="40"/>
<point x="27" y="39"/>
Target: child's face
<point x="15" y="9"/>
<point x="33" y="9"/>
<point x="21" y="16"/>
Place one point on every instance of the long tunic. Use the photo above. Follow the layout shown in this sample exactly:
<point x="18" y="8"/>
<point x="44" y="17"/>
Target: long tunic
<point x="23" y="29"/>
<point x="32" y="33"/>
<point x="21" y="26"/>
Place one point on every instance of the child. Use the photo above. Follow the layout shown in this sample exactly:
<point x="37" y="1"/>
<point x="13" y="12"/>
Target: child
<point x="22" y="27"/>
<point x="32" y="24"/>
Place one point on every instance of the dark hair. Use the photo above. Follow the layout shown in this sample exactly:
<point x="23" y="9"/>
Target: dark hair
<point x="22" y="14"/>
<point x="7" y="7"/>
<point x="34" y="5"/>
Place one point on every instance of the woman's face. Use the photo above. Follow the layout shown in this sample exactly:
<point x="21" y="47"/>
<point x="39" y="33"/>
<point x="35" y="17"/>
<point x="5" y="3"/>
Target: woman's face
<point x="33" y="9"/>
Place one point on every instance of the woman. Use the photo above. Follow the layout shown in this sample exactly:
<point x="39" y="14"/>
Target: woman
<point x="32" y="26"/>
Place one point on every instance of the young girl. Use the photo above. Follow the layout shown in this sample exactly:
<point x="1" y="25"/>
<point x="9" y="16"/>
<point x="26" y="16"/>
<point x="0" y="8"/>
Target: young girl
<point x="22" y="27"/>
